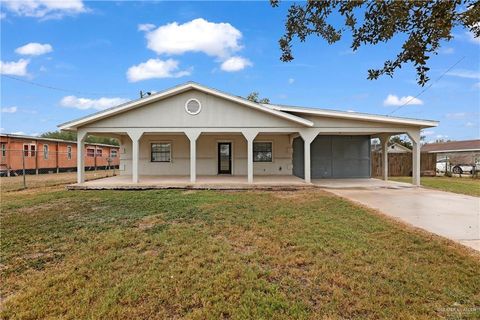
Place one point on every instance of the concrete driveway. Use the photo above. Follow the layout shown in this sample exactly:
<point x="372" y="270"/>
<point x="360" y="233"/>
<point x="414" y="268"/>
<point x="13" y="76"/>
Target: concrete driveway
<point x="453" y="216"/>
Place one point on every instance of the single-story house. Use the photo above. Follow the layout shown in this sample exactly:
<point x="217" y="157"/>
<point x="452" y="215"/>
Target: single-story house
<point x="44" y="155"/>
<point x="191" y="130"/>
<point x="393" y="147"/>
<point x="465" y="152"/>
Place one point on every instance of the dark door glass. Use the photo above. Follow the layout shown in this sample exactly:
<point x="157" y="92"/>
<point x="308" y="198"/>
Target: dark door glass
<point x="224" y="157"/>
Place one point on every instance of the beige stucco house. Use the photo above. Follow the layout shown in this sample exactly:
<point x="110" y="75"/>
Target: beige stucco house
<point x="191" y="130"/>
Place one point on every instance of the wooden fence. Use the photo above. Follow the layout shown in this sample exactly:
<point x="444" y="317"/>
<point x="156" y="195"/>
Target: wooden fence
<point x="400" y="164"/>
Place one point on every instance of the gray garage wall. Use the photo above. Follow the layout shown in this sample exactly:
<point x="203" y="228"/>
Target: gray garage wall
<point x="334" y="157"/>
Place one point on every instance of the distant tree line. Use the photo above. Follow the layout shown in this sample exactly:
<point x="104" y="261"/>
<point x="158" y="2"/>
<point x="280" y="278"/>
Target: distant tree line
<point x="72" y="136"/>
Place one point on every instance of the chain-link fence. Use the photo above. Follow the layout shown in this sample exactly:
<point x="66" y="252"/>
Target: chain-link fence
<point x="31" y="168"/>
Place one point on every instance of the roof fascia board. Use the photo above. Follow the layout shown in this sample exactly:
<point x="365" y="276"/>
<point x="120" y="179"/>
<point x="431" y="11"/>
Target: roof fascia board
<point x="453" y="150"/>
<point x="357" y="116"/>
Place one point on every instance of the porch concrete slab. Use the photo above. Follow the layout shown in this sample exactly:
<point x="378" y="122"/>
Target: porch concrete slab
<point x="453" y="216"/>
<point x="370" y="183"/>
<point x="124" y="182"/>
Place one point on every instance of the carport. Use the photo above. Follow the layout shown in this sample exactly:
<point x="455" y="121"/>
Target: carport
<point x="341" y="156"/>
<point x="338" y="144"/>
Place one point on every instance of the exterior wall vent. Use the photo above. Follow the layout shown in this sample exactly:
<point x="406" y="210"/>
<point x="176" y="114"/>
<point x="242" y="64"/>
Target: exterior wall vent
<point x="193" y="106"/>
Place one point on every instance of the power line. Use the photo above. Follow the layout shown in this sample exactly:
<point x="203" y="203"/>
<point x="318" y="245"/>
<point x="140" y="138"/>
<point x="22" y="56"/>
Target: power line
<point x="62" y="89"/>
<point x="428" y="87"/>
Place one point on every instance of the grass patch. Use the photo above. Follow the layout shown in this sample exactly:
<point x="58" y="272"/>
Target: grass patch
<point x="208" y="254"/>
<point x="33" y="181"/>
<point x="466" y="186"/>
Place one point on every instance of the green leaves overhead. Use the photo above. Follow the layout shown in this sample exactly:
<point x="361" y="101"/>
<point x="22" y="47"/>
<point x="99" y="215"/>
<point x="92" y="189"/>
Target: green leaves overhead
<point x="424" y="23"/>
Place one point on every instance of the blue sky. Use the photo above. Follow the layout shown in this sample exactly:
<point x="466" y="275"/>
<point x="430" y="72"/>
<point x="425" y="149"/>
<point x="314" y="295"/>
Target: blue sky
<point x="104" y="53"/>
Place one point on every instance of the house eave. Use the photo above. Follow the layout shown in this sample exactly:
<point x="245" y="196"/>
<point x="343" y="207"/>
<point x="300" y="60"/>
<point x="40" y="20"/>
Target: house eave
<point x="357" y="116"/>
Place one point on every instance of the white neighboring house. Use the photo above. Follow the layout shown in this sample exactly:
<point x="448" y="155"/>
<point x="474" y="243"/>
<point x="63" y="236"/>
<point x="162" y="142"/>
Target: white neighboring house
<point x="194" y="130"/>
<point x="392" y="148"/>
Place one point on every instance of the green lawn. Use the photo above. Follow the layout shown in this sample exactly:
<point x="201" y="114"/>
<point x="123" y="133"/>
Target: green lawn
<point x="465" y="185"/>
<point x="208" y="254"/>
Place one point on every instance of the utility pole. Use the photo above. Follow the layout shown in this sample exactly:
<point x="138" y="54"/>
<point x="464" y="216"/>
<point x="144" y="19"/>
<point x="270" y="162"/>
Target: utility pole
<point x="144" y="94"/>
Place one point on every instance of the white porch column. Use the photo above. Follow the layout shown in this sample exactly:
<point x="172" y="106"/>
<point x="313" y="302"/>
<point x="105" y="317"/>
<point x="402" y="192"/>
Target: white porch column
<point x="384" y="147"/>
<point x="135" y="137"/>
<point x="193" y="136"/>
<point x="415" y="137"/>
<point x="307" y="159"/>
<point x="81" y="135"/>
<point x="250" y="136"/>
<point x="308" y="136"/>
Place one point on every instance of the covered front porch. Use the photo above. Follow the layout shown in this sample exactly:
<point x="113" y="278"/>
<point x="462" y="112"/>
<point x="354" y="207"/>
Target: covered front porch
<point x="229" y="156"/>
<point x="180" y="157"/>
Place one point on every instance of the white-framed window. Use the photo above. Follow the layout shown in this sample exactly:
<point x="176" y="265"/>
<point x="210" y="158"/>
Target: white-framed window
<point x="69" y="152"/>
<point x="45" y="151"/>
<point x="99" y="152"/>
<point x="113" y="153"/>
<point x="193" y="106"/>
<point x="90" y="152"/>
<point x="262" y="151"/>
<point x="161" y="152"/>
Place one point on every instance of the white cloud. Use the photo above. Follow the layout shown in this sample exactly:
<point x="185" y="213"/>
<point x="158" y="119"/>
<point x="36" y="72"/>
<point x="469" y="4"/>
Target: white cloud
<point x="291" y="80"/>
<point x="428" y="132"/>
<point x="85" y="103"/>
<point x="155" y="68"/>
<point x="18" y="68"/>
<point x="447" y="50"/>
<point x="235" y="64"/>
<point x="34" y="49"/>
<point x="20" y="133"/>
<point x="9" y="110"/>
<point x="456" y="115"/>
<point x="471" y="37"/>
<point x="347" y="52"/>
<point x="199" y="35"/>
<point x="476" y="85"/>
<point x="469" y="124"/>
<point x="441" y="136"/>
<point x="146" y="27"/>
<point x="462" y="73"/>
<point x="2" y="15"/>
<point x="45" y="9"/>
<point x="393" y="100"/>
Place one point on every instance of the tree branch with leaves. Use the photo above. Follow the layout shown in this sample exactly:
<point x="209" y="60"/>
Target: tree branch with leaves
<point x="425" y="23"/>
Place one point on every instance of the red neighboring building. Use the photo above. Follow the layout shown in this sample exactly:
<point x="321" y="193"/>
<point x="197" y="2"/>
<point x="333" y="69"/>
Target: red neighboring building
<point x="44" y="155"/>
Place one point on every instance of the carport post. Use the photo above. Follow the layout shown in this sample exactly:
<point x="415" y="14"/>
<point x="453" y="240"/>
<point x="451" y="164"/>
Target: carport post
<point x="193" y="136"/>
<point x="415" y="137"/>
<point x="384" y="138"/>
<point x="308" y="137"/>
<point x="81" y="135"/>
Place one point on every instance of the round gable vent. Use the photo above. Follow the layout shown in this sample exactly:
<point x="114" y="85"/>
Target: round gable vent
<point x="193" y="106"/>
